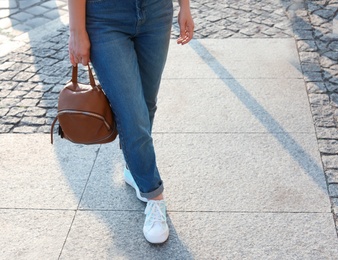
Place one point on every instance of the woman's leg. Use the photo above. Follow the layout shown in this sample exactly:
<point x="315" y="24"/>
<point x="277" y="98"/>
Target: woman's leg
<point x="151" y="46"/>
<point x="117" y="69"/>
<point x="116" y="57"/>
<point x="129" y="43"/>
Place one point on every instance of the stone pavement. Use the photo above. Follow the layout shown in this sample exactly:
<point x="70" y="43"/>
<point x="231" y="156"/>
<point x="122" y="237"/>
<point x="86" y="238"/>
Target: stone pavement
<point x="257" y="144"/>
<point x="18" y="16"/>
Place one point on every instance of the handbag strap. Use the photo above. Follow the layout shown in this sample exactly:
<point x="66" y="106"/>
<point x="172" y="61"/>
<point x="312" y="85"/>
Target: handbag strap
<point x="52" y="129"/>
<point x="91" y="77"/>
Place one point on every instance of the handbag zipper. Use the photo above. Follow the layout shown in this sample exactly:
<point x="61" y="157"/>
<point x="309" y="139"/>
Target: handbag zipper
<point x="85" y="113"/>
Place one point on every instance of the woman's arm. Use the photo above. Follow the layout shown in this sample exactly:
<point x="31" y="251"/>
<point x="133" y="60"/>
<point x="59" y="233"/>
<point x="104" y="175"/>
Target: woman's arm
<point x="79" y="44"/>
<point x="185" y="22"/>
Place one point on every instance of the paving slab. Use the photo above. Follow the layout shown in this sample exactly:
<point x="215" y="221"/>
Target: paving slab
<point x="33" y="234"/>
<point x="203" y="235"/>
<point x="234" y="58"/>
<point x="220" y="172"/>
<point x="104" y="233"/>
<point x="233" y="105"/>
<point x="36" y="174"/>
<point x="256" y="236"/>
<point x="117" y="235"/>
<point x="242" y="172"/>
<point x="106" y="188"/>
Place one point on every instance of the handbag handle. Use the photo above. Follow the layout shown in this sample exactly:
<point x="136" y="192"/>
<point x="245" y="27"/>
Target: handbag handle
<point x="91" y="77"/>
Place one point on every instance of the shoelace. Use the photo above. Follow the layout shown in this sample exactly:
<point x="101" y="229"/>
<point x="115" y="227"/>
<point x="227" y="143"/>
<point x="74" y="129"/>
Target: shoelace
<point x="155" y="211"/>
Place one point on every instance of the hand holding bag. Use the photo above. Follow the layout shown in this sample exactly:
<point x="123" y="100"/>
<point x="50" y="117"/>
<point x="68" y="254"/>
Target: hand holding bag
<point x="84" y="113"/>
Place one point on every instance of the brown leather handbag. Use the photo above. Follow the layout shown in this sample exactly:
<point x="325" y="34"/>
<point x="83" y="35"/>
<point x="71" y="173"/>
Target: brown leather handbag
<point x="84" y="113"/>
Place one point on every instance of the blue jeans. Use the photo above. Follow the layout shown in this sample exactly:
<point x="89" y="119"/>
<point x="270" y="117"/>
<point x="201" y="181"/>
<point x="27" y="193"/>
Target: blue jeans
<point x="129" y="45"/>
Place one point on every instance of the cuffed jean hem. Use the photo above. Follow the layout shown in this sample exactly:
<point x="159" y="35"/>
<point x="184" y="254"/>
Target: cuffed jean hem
<point x="153" y="194"/>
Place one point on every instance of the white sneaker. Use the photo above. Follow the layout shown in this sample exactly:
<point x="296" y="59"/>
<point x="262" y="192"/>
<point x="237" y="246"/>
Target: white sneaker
<point x="155" y="227"/>
<point x="128" y="178"/>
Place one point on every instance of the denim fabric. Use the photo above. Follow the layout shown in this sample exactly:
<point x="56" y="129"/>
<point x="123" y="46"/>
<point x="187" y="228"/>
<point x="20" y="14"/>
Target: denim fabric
<point x="129" y="45"/>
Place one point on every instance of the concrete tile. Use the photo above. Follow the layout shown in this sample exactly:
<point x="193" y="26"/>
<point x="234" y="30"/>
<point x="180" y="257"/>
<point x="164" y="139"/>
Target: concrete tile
<point x="36" y="174"/>
<point x="257" y="69"/>
<point x="271" y="59"/>
<point x="242" y="172"/>
<point x="33" y="234"/>
<point x="106" y="187"/>
<point x="116" y="235"/>
<point x="227" y="172"/>
<point x="196" y="68"/>
<point x="248" y="49"/>
<point x="203" y="235"/>
<point x="246" y="105"/>
<point x="256" y="236"/>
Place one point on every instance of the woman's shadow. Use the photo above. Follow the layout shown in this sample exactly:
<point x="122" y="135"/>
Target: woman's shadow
<point x="109" y="218"/>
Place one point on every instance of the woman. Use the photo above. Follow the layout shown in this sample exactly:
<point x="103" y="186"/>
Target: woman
<point x="127" y="43"/>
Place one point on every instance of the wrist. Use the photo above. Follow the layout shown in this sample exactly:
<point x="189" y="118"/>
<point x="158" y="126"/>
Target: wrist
<point x="77" y="30"/>
<point x="184" y="4"/>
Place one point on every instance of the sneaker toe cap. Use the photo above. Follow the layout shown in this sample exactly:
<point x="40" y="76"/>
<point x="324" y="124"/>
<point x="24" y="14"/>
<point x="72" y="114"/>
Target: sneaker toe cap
<point x="156" y="234"/>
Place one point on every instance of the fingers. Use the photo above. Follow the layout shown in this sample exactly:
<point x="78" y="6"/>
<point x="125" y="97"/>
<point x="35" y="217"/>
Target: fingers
<point x="186" y="29"/>
<point x="184" y="37"/>
<point x="74" y="59"/>
<point x="83" y="60"/>
<point x="79" y="48"/>
<point x="191" y="31"/>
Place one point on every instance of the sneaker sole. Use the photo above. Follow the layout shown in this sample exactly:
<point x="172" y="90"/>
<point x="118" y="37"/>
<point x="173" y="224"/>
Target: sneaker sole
<point x="160" y="241"/>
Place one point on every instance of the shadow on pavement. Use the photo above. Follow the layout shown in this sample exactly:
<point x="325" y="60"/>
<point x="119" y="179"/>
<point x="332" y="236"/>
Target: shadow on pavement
<point x="299" y="155"/>
<point x="109" y="218"/>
